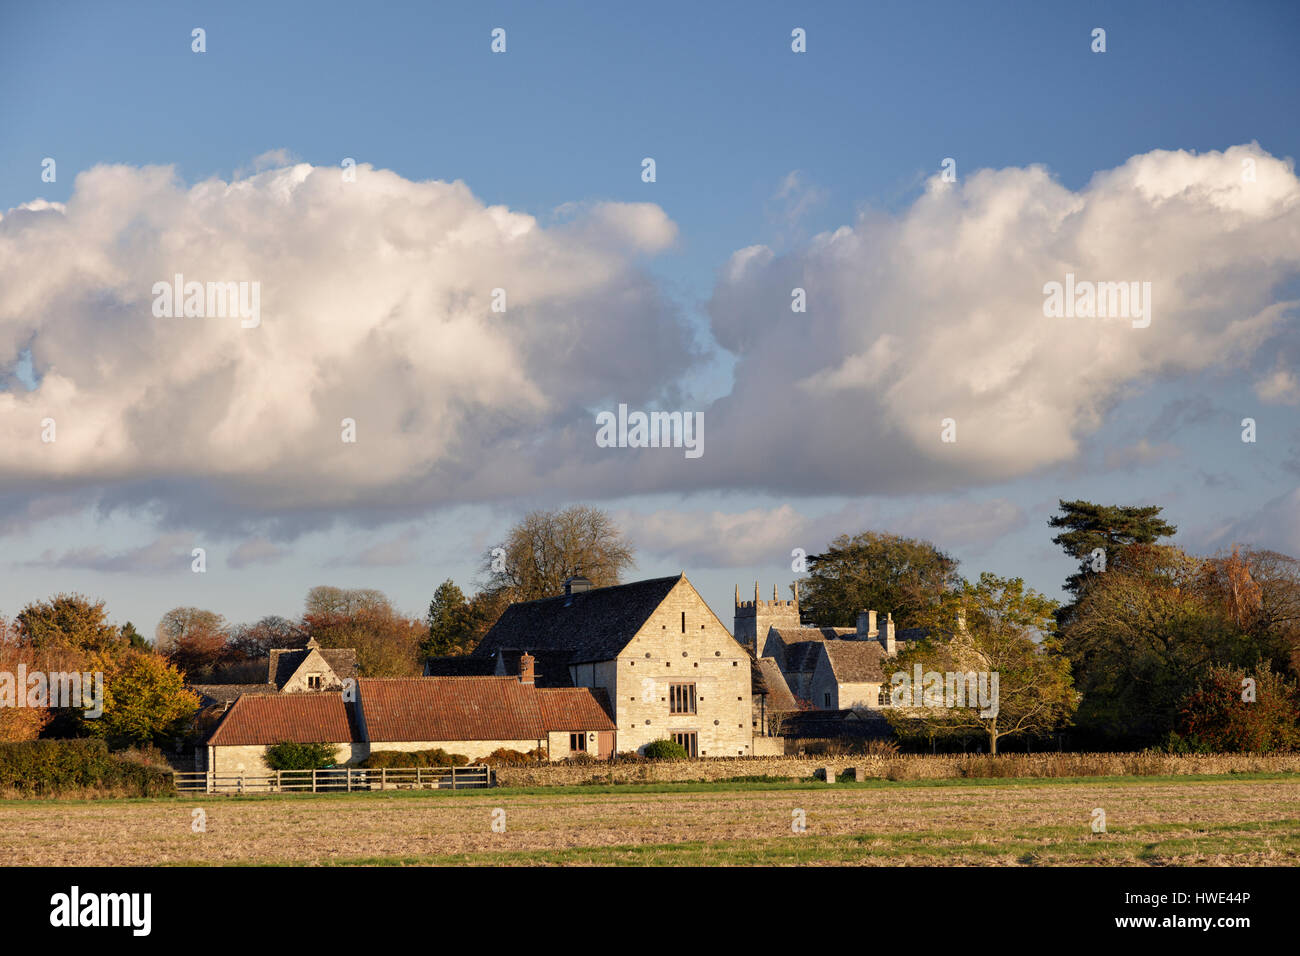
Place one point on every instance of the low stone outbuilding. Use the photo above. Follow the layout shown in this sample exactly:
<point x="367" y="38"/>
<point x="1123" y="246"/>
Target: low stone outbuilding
<point x="474" y="716"/>
<point x="257" y="721"/>
<point x="470" y="716"/>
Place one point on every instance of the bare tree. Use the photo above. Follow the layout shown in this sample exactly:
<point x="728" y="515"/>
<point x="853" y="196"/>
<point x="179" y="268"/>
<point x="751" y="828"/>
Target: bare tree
<point x="548" y="546"/>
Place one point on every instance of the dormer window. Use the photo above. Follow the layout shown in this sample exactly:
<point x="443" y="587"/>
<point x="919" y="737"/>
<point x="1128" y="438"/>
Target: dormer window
<point x="315" y="681"/>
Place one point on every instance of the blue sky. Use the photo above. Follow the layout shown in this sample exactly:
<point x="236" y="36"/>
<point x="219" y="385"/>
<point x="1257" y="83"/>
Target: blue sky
<point x="754" y="145"/>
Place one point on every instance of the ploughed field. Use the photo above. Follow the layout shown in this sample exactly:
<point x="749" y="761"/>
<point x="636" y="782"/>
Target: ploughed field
<point x="1225" y="821"/>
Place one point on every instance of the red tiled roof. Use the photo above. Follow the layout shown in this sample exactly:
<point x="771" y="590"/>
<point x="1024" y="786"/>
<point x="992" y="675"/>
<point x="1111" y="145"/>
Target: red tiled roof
<point x="574" y="708"/>
<point x="450" y="708"/>
<point x="476" y="708"/>
<point x="273" y="718"/>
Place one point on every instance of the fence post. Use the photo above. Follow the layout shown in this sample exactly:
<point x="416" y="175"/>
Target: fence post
<point x="279" y="782"/>
<point x="313" y="780"/>
<point x="383" y="778"/>
<point x="349" y="779"/>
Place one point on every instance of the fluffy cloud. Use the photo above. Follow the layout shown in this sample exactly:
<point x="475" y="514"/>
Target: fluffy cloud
<point x="376" y="306"/>
<point x="375" y="301"/>
<point x="938" y="313"/>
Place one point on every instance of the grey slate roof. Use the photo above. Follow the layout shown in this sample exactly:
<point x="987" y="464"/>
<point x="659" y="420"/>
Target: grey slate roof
<point x="461" y="666"/>
<point x="210" y="694"/>
<point x="794" y="634"/>
<point x="588" y="626"/>
<point x="550" y="669"/>
<point x="856" y="662"/>
<point x="802" y="657"/>
<point x="284" y="661"/>
<point x="800" y="644"/>
<point x="769" y="680"/>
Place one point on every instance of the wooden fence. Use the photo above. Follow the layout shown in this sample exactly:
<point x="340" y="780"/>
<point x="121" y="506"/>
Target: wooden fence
<point x="335" y="780"/>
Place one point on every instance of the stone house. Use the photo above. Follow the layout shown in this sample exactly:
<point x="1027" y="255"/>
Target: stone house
<point x="667" y="665"/>
<point x="256" y="721"/>
<point x="847" y="675"/>
<point x="472" y="716"/>
<point x="832" y="668"/>
<point x="311" y="668"/>
<point x="289" y="671"/>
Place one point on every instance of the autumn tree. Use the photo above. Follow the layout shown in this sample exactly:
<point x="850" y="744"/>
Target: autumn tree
<point x="1142" y="634"/>
<point x="133" y="637"/>
<point x="387" y="643"/>
<point x="325" y="602"/>
<point x="194" y="640"/>
<point x="547" y="547"/>
<point x="68" y="621"/>
<point x="18" y="723"/>
<point x="145" y="701"/>
<point x="1234" y="710"/>
<point x="183" y="622"/>
<point x="1259" y="591"/>
<point x="249" y="647"/>
<point x="875" y="571"/>
<point x="995" y="626"/>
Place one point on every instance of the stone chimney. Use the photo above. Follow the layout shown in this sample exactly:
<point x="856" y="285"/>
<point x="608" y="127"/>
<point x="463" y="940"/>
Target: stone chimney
<point x="526" y="668"/>
<point x="866" y="629"/>
<point x="575" y="584"/>
<point x="887" y="635"/>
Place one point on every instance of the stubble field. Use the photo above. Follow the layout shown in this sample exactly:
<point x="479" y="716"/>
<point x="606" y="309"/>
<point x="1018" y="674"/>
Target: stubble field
<point x="1250" y="821"/>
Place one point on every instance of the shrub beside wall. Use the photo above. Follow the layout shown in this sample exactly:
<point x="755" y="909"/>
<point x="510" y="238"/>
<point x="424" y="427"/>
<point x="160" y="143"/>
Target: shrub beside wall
<point x="47" y="768"/>
<point x="413" y="758"/>
<point x="292" y="756"/>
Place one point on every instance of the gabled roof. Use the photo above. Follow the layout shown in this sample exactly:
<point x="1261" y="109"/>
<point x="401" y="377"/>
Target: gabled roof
<point x="574" y="708"/>
<point x="462" y="666"/>
<point x="856" y="662"/>
<point x="297" y="718"/>
<point x="550" y="667"/>
<point x="769" y="680"/>
<point x="475" y="708"/>
<point x="226" y="693"/>
<point x="449" y="708"/>
<point x="588" y="626"/>
<point x="799" y="644"/>
<point x="285" y="662"/>
<point x="802" y="657"/>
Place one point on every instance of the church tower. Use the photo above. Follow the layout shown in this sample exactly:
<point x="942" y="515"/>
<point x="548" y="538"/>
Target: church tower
<point x="753" y="618"/>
